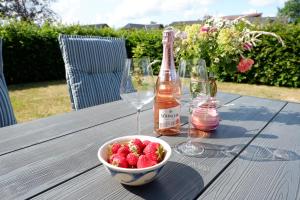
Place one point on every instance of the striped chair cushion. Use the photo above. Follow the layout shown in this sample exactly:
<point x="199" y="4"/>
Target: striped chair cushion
<point x="93" y="68"/>
<point x="7" y="116"/>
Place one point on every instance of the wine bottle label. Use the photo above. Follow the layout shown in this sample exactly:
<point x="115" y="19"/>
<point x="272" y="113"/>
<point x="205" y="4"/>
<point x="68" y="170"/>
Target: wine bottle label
<point x="168" y="117"/>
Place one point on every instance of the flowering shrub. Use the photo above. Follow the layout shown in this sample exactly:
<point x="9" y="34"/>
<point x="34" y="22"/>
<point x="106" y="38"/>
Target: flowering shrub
<point x="221" y="43"/>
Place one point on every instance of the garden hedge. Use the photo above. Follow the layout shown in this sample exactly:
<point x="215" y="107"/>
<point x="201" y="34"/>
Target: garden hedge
<point x="274" y="64"/>
<point x="31" y="53"/>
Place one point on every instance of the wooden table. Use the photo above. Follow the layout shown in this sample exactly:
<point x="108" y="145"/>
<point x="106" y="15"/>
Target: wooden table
<point x="254" y="154"/>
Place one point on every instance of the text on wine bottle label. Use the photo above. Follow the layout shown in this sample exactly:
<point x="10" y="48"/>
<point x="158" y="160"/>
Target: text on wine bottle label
<point x="169" y="117"/>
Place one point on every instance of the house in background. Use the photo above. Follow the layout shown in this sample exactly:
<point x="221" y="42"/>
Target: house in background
<point x="252" y="17"/>
<point x="143" y="26"/>
<point x="256" y="17"/>
<point x="97" y="25"/>
<point x="190" y="22"/>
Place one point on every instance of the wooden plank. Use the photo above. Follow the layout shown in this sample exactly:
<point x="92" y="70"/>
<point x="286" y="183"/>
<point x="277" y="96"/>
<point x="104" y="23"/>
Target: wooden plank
<point x="183" y="177"/>
<point x="26" y="134"/>
<point x="240" y="121"/>
<point x="269" y="168"/>
<point x="225" y="98"/>
<point x="31" y="170"/>
<point x="176" y="181"/>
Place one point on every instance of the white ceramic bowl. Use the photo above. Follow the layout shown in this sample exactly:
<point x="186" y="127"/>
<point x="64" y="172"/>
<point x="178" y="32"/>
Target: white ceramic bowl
<point x="129" y="176"/>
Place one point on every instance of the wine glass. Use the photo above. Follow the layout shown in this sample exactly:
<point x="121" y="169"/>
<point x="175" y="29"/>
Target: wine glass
<point x="137" y="84"/>
<point x="195" y="89"/>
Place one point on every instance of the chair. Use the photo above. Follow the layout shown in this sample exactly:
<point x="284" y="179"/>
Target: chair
<point x="7" y="116"/>
<point x="94" y="68"/>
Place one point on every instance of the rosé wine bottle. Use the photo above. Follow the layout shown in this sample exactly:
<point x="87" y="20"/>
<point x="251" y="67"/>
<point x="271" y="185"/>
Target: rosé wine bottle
<point x="167" y="92"/>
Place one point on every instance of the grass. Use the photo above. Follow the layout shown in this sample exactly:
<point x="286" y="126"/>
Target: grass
<point x="271" y="92"/>
<point x="37" y="100"/>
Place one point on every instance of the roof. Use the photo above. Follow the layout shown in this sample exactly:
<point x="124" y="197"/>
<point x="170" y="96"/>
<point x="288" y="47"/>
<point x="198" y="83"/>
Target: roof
<point x="229" y="17"/>
<point x="143" y="26"/>
<point x="251" y="15"/>
<point x="97" y="25"/>
<point x="186" y="22"/>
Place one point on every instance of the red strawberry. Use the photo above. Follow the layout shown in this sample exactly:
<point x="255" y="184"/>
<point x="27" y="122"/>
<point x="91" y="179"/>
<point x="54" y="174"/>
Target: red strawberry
<point x="115" y="147"/>
<point x="145" y="162"/>
<point x="133" y="148"/>
<point x="119" y="161"/>
<point x="110" y="159"/>
<point x="137" y="142"/>
<point x="146" y="142"/>
<point x="132" y="159"/>
<point x="154" y="151"/>
<point x="123" y="151"/>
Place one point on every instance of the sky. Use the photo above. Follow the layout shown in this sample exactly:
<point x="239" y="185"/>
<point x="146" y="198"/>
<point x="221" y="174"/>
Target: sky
<point x="117" y="13"/>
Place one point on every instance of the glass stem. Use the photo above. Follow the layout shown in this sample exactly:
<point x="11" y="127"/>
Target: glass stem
<point x="138" y="121"/>
<point x="189" y="137"/>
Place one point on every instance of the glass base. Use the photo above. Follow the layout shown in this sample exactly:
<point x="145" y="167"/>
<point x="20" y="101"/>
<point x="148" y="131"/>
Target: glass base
<point x="190" y="148"/>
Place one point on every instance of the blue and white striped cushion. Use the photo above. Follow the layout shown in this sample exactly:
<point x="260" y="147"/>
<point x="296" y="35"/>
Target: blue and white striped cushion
<point x="93" y="68"/>
<point x="7" y="116"/>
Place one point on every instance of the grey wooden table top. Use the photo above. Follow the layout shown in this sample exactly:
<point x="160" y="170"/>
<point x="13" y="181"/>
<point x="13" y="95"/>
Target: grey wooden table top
<point x="254" y="154"/>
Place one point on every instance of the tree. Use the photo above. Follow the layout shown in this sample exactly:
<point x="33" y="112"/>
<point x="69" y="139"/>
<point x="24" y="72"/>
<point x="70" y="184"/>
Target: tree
<point x="28" y="10"/>
<point x="291" y="10"/>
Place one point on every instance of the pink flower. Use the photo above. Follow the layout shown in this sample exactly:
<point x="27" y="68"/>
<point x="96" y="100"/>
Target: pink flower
<point x="247" y="46"/>
<point x="245" y="64"/>
<point x="204" y="29"/>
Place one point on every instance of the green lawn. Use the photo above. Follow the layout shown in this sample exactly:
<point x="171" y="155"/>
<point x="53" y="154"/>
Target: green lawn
<point x="37" y="100"/>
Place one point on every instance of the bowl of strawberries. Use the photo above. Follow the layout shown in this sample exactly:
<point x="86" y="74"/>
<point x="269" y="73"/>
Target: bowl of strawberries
<point x="136" y="159"/>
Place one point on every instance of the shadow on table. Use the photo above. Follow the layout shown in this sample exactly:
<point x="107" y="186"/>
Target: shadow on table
<point x="252" y="152"/>
<point x="229" y="131"/>
<point x="226" y="131"/>
<point x="175" y="180"/>
<point x="261" y="154"/>
<point x="260" y="114"/>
